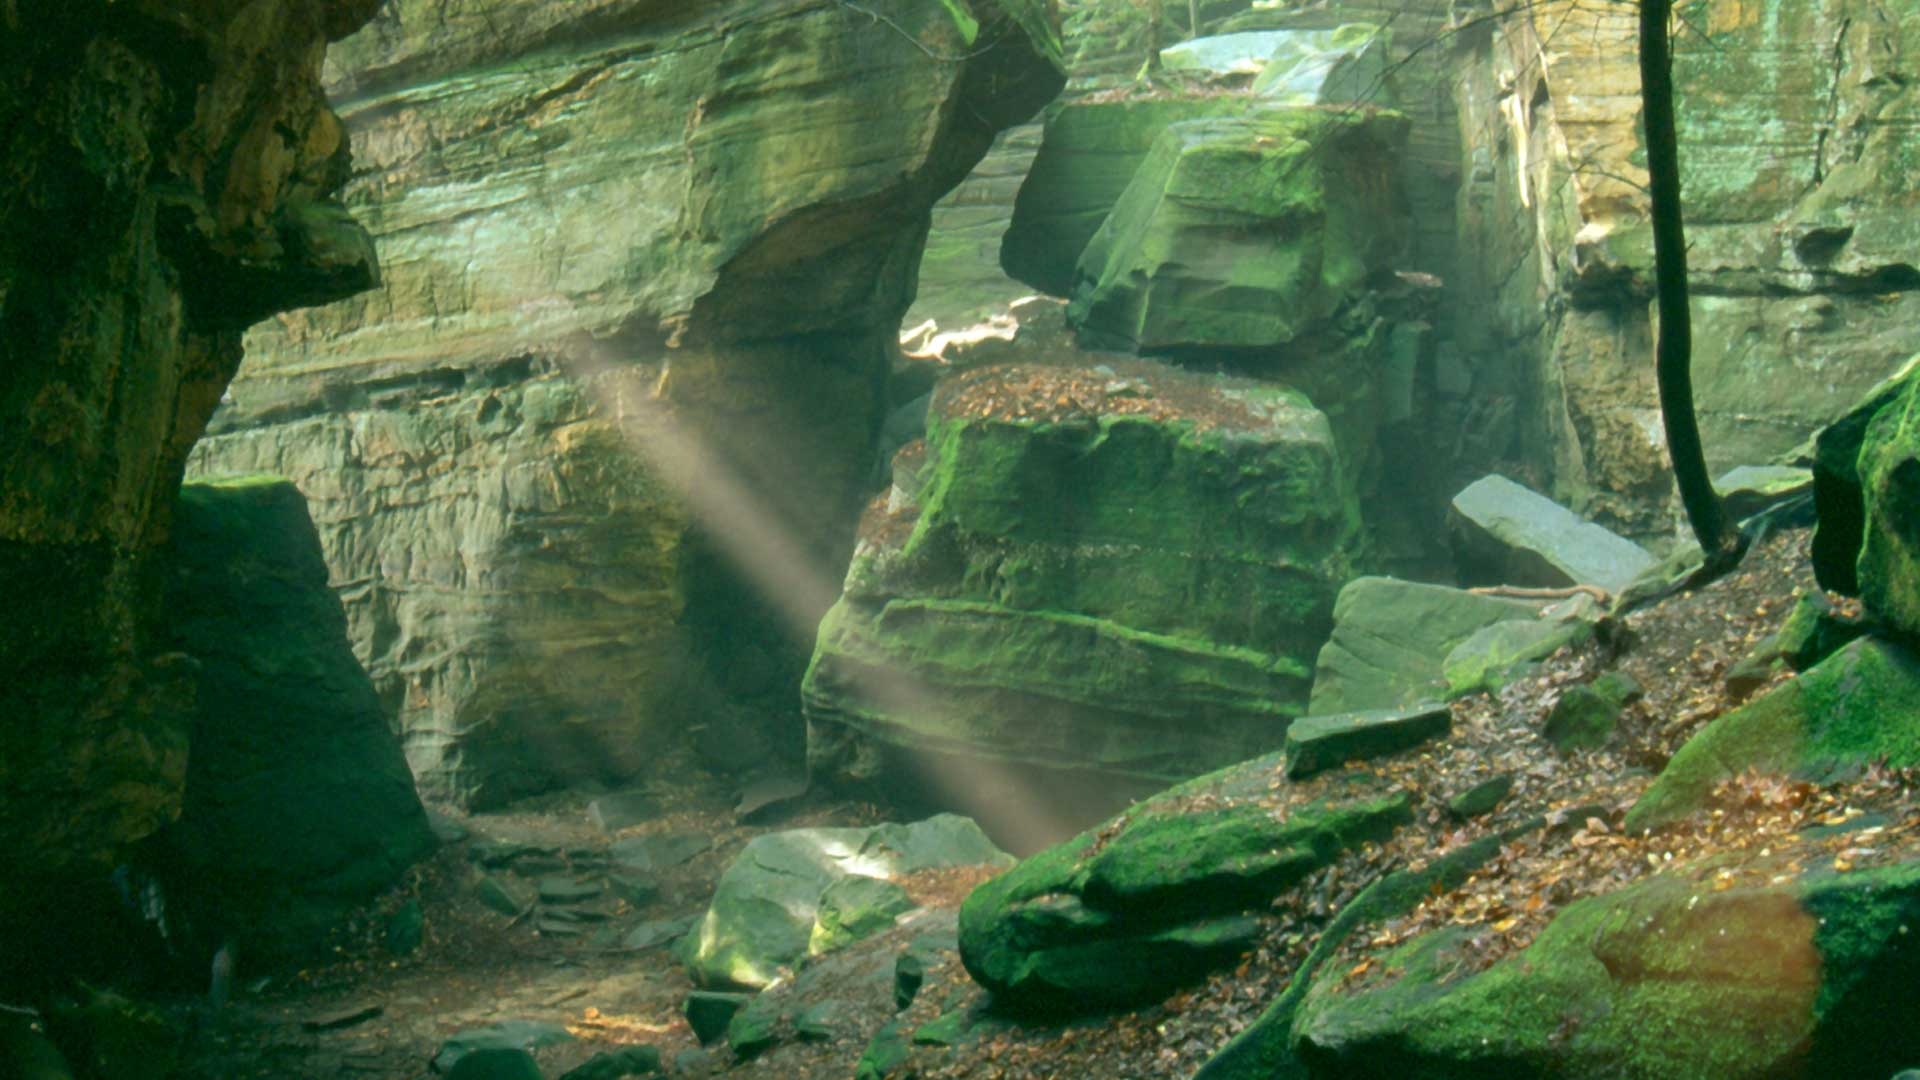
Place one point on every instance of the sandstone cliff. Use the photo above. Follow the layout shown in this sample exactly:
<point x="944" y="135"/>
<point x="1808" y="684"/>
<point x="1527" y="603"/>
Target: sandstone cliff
<point x="645" y="266"/>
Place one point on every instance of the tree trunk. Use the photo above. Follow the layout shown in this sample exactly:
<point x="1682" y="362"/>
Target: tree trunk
<point x="1156" y="21"/>
<point x="1193" y="19"/>
<point x="1673" y="351"/>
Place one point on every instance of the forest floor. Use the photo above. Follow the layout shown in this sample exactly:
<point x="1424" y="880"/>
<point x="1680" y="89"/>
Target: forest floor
<point x="477" y="966"/>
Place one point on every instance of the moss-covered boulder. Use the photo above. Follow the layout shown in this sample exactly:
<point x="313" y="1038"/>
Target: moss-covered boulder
<point x="1392" y="639"/>
<point x="1839" y="500"/>
<point x="1857" y="707"/>
<point x="1245" y="232"/>
<point x="1889" y="475"/>
<point x="1116" y="571"/>
<point x="299" y="806"/>
<point x="1665" y="979"/>
<point x="794" y="894"/>
<point x="1087" y="157"/>
<point x="1130" y="910"/>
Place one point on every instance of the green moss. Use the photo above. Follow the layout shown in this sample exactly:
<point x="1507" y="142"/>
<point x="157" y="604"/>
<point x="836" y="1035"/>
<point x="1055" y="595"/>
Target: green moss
<point x="1665" y="979"/>
<point x="1858" y="706"/>
<point x="1162" y="901"/>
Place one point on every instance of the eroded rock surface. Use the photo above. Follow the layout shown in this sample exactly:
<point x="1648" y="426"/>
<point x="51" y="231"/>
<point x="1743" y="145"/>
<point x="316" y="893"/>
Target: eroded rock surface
<point x="1116" y="572"/>
<point x="645" y="267"/>
<point x="168" y="166"/>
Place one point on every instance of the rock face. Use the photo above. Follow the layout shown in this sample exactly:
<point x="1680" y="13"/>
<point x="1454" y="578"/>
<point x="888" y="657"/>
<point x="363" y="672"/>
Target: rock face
<point x="298" y="803"/>
<point x="644" y="270"/>
<point x="1118" y="572"/>
<point x="1088" y="156"/>
<point x="1246" y="232"/>
<point x="804" y="892"/>
<point x="1798" y="188"/>
<point x="1664" y="979"/>
<point x="167" y="170"/>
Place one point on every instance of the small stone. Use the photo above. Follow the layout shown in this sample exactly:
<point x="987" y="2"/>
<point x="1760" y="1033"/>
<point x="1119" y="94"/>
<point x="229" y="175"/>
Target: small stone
<point x="406" y="929"/>
<point x="446" y="828"/>
<point x="909" y="972"/>
<point x="622" y="810"/>
<point x="616" y="1064"/>
<point x="653" y="854"/>
<point x="1318" y="743"/>
<point x="767" y="794"/>
<point x="948" y="1030"/>
<point x="754" y="1030"/>
<point x="1618" y="687"/>
<point x="503" y="1035"/>
<point x="886" y="1055"/>
<point x="1583" y="719"/>
<point x="692" y="1059"/>
<point x="1482" y="798"/>
<point x="503" y="895"/>
<point x="656" y="932"/>
<point x="709" y="1012"/>
<point x="562" y="890"/>
<point x="550" y="925"/>
<point x="496" y="1064"/>
<point x="341" y="1019"/>
<point x="634" y="889"/>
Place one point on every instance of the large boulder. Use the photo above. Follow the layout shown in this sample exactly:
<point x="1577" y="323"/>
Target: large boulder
<point x="1087" y="157"/>
<point x="1507" y="534"/>
<point x="1245" y="232"/>
<point x="645" y="269"/>
<point x="795" y="894"/>
<point x="1855" y="708"/>
<point x="1128" y="911"/>
<point x="298" y="806"/>
<point x="169" y="166"/>
<point x="1664" y="980"/>
<point x="1888" y="470"/>
<point x="1391" y="641"/>
<point x="1118" y="572"/>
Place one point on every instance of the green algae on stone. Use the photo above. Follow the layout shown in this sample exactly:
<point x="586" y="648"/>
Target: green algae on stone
<point x="1244" y="232"/>
<point x="1089" y="154"/>
<point x="1663" y="980"/>
<point x="1318" y="743"/>
<point x="1101" y="922"/>
<point x="1493" y="655"/>
<point x="1857" y="707"/>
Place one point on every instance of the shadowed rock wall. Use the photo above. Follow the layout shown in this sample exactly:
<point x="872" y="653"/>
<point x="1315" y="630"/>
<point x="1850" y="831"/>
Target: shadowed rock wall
<point x="166" y="170"/>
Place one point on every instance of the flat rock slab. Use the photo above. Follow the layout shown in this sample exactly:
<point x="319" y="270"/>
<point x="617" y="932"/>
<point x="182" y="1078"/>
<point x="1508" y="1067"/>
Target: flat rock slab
<point x="657" y="853"/>
<point x="1508" y="534"/>
<point x="1748" y="489"/>
<point x="656" y="932"/>
<point x="1318" y="743"/>
<point x="563" y="890"/>
<point x="761" y="798"/>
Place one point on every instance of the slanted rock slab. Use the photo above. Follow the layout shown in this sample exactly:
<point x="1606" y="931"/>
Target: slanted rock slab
<point x="1318" y="743"/>
<point x="1391" y="640"/>
<point x="1508" y="534"/>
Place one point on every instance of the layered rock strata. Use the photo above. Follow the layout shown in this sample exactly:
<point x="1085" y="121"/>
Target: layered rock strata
<point x="1119" y="572"/>
<point x="586" y="468"/>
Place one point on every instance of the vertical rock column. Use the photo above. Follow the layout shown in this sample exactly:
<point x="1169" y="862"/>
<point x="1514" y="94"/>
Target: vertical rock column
<point x="166" y="166"/>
